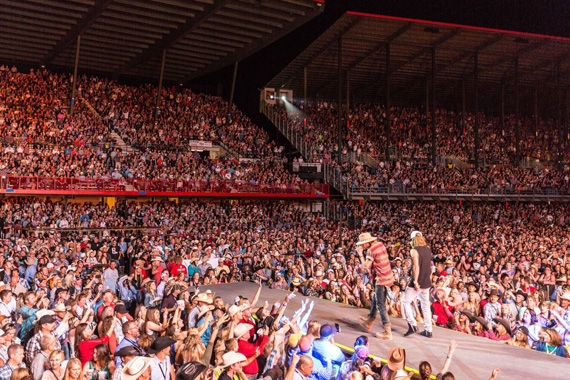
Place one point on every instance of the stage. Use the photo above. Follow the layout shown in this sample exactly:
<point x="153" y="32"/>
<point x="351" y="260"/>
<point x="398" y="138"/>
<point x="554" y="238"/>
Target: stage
<point x="475" y="358"/>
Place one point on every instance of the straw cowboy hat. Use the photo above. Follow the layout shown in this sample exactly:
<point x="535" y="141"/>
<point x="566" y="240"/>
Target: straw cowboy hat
<point x="565" y="296"/>
<point x="203" y="297"/>
<point x="396" y="358"/>
<point x="241" y="329"/>
<point x="232" y="357"/>
<point x="135" y="368"/>
<point x="364" y="238"/>
<point x="204" y="309"/>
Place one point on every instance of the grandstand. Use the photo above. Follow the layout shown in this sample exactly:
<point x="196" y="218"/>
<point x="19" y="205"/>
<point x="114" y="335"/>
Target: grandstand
<point x="133" y="187"/>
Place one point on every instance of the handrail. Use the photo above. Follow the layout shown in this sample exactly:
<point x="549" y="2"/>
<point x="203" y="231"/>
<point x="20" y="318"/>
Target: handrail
<point x="139" y="186"/>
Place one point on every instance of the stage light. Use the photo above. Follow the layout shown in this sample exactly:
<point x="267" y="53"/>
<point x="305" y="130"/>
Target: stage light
<point x="283" y="97"/>
<point x="271" y="97"/>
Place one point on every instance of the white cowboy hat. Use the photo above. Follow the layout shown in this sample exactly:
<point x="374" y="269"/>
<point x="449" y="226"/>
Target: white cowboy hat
<point x="204" y="309"/>
<point x="414" y="234"/>
<point x="59" y="307"/>
<point x="364" y="238"/>
<point x="203" y="297"/>
<point x="565" y="296"/>
<point x="232" y="357"/>
<point x="241" y="329"/>
<point x="135" y="368"/>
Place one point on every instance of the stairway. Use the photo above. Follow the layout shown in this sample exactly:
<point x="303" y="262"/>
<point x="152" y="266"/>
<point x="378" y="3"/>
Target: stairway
<point x="118" y="141"/>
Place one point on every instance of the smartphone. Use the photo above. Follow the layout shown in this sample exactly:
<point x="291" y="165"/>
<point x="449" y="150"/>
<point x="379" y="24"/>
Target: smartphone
<point x="337" y="326"/>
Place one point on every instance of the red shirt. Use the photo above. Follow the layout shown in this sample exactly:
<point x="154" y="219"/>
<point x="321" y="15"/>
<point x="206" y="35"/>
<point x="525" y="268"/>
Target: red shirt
<point x="85" y="349"/>
<point x="380" y="269"/>
<point x="178" y="268"/>
<point x="248" y="350"/>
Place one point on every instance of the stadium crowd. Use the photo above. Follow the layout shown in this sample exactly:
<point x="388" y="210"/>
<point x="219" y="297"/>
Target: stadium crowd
<point x="39" y="136"/>
<point x="411" y="140"/>
<point x="79" y="288"/>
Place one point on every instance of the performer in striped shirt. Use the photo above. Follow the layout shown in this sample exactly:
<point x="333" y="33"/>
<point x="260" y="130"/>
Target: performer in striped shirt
<point x="378" y="264"/>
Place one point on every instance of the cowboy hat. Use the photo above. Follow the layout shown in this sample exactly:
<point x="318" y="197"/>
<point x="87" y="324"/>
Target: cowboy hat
<point x="203" y="297"/>
<point x="146" y="281"/>
<point x="521" y="293"/>
<point x="190" y="371"/>
<point x="296" y="281"/>
<point x="483" y="322"/>
<point x="468" y="314"/>
<point x="234" y="309"/>
<point x="241" y="329"/>
<point x="232" y="357"/>
<point x="160" y="344"/>
<point x="396" y="358"/>
<point x="364" y="238"/>
<point x="565" y="296"/>
<point x="135" y="368"/>
<point x="506" y="324"/>
<point x="204" y="309"/>
<point x="59" y="308"/>
<point x="561" y="279"/>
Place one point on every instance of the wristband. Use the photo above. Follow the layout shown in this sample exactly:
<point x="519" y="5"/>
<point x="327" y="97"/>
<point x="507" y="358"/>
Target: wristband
<point x="448" y="356"/>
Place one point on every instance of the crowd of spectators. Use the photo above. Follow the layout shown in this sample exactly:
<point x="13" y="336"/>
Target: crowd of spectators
<point x="500" y="271"/>
<point x="411" y="149"/>
<point x="40" y="137"/>
<point x="182" y="115"/>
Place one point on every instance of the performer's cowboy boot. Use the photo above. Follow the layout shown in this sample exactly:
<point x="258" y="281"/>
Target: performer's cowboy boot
<point x="367" y="322"/>
<point x="387" y="334"/>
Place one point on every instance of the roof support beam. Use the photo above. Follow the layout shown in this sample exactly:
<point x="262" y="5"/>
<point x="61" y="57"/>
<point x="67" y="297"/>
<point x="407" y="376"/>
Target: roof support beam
<point x="323" y="49"/>
<point x="418" y="54"/>
<point x="369" y="53"/>
<point x="78" y="29"/>
<point x="163" y="44"/>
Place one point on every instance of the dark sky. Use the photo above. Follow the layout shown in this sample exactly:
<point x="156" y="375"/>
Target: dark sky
<point x="540" y="17"/>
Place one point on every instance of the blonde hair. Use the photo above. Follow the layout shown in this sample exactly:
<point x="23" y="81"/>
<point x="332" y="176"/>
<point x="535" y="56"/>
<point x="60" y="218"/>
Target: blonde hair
<point x="418" y="241"/>
<point x="19" y="373"/>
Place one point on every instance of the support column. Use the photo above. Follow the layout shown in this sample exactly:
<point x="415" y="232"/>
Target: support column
<point x="502" y="121"/>
<point x="535" y="94"/>
<point x="305" y="87"/>
<point x="476" y="91"/>
<point x="433" y="131"/>
<point x="559" y="117"/>
<point x="388" y="103"/>
<point x="463" y="126"/>
<point x="347" y="93"/>
<point x="73" y="91"/>
<point x="517" y="126"/>
<point x="339" y="102"/>
<point x="231" y="103"/>
<point x="567" y="134"/>
<point x="159" y="94"/>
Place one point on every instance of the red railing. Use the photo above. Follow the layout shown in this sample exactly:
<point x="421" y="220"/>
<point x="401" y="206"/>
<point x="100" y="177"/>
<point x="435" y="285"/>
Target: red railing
<point x="112" y="187"/>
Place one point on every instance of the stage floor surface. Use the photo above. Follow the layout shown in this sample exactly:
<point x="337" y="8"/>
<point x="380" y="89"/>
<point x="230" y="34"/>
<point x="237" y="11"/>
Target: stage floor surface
<point x="474" y="358"/>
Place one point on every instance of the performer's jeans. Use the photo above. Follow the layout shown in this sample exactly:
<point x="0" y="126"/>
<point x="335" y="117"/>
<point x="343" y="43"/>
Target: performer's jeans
<point x="379" y="304"/>
<point x="409" y="297"/>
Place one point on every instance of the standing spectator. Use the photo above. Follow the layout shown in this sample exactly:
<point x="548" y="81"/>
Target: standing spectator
<point x="249" y="350"/>
<point x="323" y="348"/>
<point x="15" y="360"/>
<point x="55" y="371"/>
<point x="47" y="345"/>
<point x="111" y="275"/>
<point x="160" y="364"/>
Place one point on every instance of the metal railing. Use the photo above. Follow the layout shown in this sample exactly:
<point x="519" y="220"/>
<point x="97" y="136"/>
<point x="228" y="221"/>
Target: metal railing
<point x="134" y="186"/>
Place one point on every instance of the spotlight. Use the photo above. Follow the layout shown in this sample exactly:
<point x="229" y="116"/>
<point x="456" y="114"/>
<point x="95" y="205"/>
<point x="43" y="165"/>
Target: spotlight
<point x="283" y="97"/>
<point x="271" y="97"/>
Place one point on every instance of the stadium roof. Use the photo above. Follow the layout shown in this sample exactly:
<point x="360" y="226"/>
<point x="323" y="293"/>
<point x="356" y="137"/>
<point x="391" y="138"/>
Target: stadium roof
<point x="364" y="40"/>
<point x="129" y="36"/>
